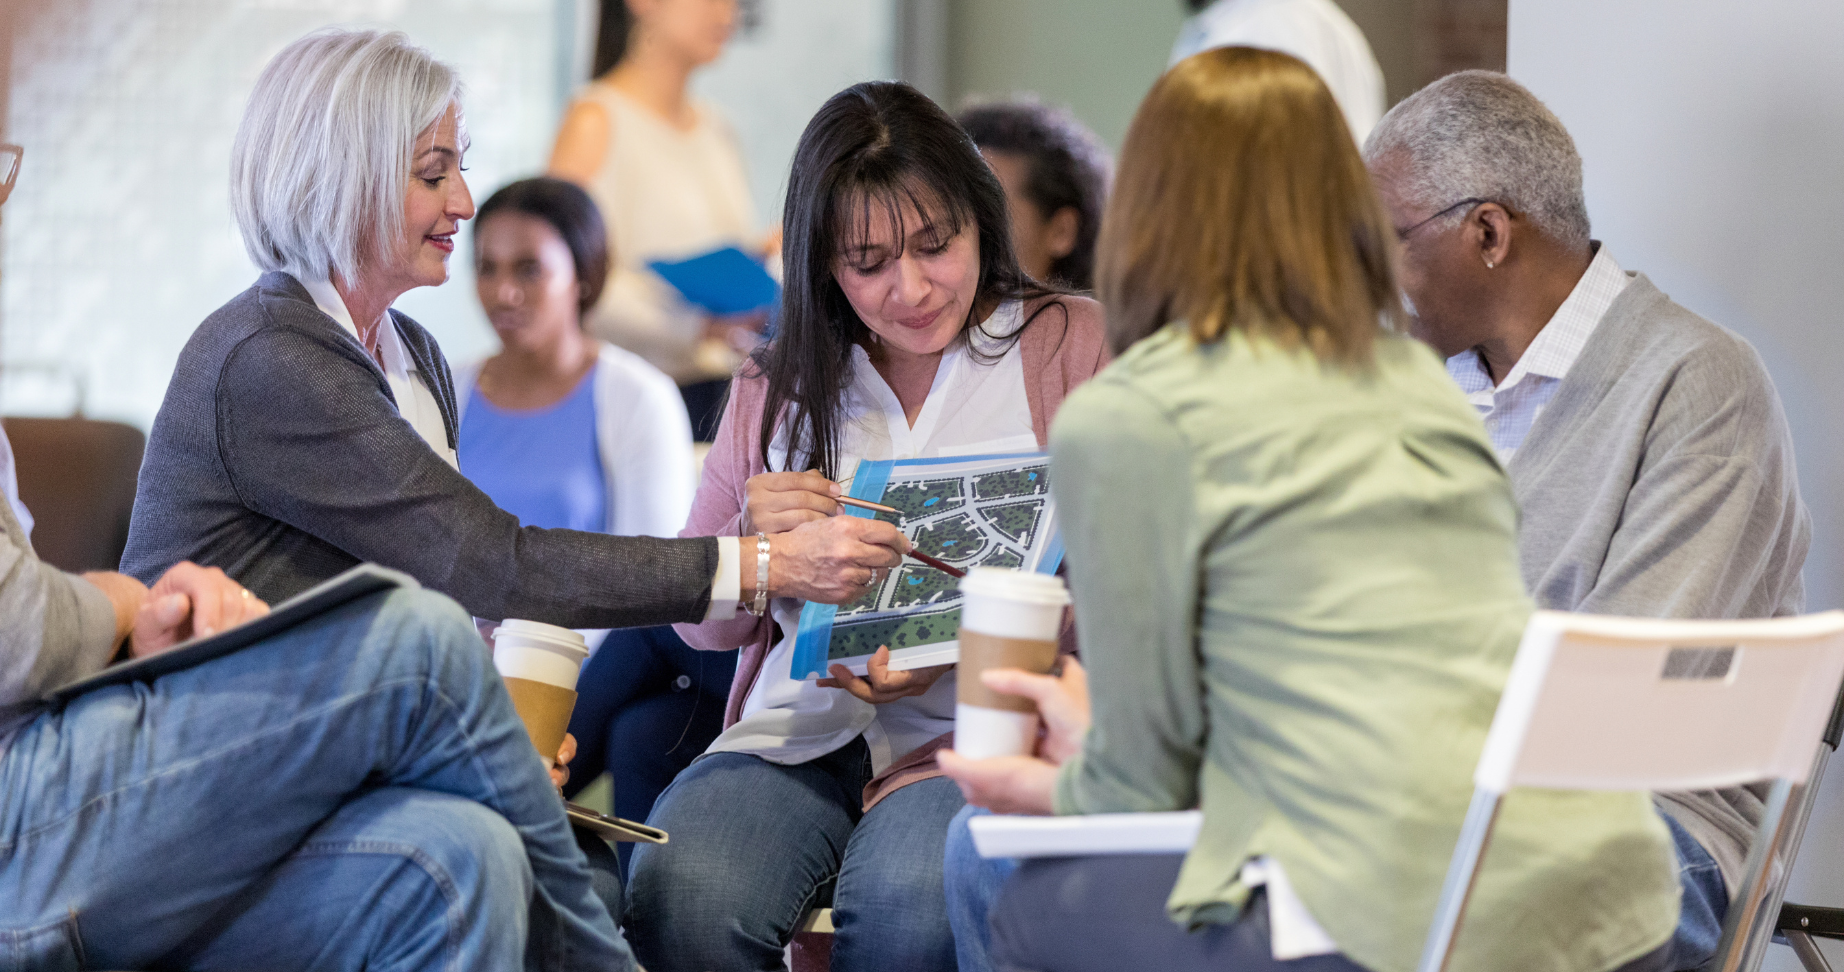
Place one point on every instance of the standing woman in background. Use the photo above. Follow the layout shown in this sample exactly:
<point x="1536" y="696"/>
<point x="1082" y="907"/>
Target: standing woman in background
<point x="667" y="174"/>
<point x="565" y="431"/>
<point x="1055" y="173"/>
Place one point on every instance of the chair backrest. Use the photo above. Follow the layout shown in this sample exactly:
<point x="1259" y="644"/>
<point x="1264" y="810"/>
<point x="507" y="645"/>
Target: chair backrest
<point x="1602" y="703"/>
<point x="78" y="477"/>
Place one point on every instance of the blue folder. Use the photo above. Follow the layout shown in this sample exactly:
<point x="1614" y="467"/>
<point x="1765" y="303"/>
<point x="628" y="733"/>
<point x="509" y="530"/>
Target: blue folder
<point x="723" y="281"/>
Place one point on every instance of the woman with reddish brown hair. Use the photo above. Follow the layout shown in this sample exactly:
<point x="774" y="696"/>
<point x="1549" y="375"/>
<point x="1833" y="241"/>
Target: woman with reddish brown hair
<point x="1298" y="602"/>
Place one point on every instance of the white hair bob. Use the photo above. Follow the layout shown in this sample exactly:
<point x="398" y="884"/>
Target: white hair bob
<point x="1481" y="135"/>
<point x="324" y="152"/>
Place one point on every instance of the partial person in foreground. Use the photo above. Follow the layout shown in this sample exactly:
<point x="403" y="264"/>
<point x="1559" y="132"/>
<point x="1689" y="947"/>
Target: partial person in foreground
<point x="1646" y="446"/>
<point x="377" y="807"/>
<point x="310" y="427"/>
<point x="1316" y="515"/>
<point x="564" y="431"/>
<point x="908" y="330"/>
<point x="1055" y="173"/>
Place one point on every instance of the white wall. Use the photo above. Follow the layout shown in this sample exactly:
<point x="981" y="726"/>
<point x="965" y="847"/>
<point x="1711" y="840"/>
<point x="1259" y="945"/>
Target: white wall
<point x="118" y="239"/>
<point x="1713" y="137"/>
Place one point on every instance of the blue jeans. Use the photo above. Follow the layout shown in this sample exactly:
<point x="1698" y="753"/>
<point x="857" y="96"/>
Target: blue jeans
<point x="647" y="705"/>
<point x="355" y="793"/>
<point x="972" y="885"/>
<point x="755" y="845"/>
<point x="1702" y="903"/>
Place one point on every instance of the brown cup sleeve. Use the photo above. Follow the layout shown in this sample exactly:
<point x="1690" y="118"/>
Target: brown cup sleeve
<point x="545" y="710"/>
<point x="979" y="652"/>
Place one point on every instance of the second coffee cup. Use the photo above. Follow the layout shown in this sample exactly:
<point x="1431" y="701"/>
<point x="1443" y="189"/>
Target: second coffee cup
<point x="1008" y="619"/>
<point x="540" y="663"/>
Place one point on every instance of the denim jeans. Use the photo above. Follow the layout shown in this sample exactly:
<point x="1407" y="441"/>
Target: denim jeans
<point x="972" y="884"/>
<point x="354" y="793"/>
<point x="647" y="705"/>
<point x="756" y="844"/>
<point x="1703" y="903"/>
<point x="1100" y="914"/>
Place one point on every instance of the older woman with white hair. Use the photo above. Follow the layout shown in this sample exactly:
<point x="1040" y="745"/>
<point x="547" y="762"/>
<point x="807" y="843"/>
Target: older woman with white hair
<point x="310" y="427"/>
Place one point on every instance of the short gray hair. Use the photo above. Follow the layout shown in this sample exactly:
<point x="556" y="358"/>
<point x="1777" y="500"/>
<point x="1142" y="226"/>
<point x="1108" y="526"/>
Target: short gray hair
<point x="325" y="149"/>
<point x="1481" y="135"/>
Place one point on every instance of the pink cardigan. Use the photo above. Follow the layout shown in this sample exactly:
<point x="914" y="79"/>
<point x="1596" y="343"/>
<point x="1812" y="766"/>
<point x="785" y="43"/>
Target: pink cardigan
<point x="1057" y="358"/>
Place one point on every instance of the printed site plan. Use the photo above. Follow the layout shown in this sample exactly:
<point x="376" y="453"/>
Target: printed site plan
<point x="968" y="511"/>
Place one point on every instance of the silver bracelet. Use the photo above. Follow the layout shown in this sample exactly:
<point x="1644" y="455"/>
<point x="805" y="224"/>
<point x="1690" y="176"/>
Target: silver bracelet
<point x="760" y="606"/>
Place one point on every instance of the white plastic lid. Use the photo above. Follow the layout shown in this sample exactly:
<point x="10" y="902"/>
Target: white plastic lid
<point x="539" y="634"/>
<point x="1045" y="590"/>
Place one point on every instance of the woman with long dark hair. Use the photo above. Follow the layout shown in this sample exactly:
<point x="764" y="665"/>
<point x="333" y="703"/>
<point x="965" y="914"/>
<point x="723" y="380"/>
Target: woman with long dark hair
<point x="908" y="330"/>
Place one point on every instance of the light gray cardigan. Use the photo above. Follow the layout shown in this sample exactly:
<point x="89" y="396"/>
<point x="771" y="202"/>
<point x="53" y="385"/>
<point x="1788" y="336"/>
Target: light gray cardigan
<point x="1659" y="482"/>
<point x="54" y="628"/>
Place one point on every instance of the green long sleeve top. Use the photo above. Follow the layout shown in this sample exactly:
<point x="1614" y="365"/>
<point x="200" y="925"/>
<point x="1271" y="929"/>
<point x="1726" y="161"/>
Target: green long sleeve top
<point x="1298" y="593"/>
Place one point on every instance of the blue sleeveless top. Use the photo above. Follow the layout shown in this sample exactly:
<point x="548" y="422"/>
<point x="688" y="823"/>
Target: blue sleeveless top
<point x="543" y="465"/>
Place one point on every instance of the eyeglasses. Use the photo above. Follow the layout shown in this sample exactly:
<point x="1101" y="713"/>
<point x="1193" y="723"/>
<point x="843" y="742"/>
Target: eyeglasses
<point x="1403" y="234"/>
<point x="9" y="164"/>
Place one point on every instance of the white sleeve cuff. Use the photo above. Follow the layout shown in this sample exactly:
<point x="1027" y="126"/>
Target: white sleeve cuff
<point x="727" y="587"/>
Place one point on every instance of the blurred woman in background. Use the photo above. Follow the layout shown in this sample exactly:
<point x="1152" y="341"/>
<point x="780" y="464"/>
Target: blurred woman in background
<point x="668" y="176"/>
<point x="563" y="430"/>
<point x="908" y="330"/>
<point x="1055" y="173"/>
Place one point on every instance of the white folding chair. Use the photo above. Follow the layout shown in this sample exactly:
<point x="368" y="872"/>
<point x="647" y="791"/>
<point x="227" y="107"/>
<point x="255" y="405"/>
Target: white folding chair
<point x="1598" y="703"/>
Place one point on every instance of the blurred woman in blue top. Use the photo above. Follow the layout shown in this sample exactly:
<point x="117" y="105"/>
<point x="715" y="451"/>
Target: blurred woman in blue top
<point x="563" y="430"/>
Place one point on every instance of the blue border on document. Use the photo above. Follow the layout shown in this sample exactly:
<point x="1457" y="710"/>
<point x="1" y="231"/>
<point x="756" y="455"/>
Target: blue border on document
<point x="814" y="636"/>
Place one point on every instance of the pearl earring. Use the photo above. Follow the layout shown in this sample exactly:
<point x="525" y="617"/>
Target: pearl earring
<point x="1489" y="264"/>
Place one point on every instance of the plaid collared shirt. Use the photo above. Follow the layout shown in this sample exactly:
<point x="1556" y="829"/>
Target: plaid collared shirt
<point x="1510" y="409"/>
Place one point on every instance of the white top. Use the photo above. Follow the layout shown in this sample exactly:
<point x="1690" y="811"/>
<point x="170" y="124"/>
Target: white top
<point x="9" y="485"/>
<point x="666" y="194"/>
<point x="1511" y="408"/>
<point x="1315" y="31"/>
<point x="972" y="408"/>
<point x="643" y="438"/>
<point x="415" y="402"/>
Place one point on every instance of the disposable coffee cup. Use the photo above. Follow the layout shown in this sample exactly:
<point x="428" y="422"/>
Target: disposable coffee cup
<point x="540" y="663"/>
<point x="1008" y="619"/>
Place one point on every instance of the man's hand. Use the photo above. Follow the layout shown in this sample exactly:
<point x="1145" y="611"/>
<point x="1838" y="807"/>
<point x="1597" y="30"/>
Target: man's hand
<point x="830" y="561"/>
<point x="880" y="684"/>
<point x="1027" y="784"/>
<point x="189" y="602"/>
<point x="779" y="502"/>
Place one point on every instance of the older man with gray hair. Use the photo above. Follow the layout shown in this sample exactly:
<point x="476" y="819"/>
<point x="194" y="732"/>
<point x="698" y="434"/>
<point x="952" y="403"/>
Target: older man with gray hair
<point x="1646" y="445"/>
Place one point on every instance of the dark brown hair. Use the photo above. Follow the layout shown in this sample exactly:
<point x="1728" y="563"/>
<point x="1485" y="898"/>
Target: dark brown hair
<point x="1066" y="167"/>
<point x="878" y="144"/>
<point x="1241" y="202"/>
<point x="569" y="211"/>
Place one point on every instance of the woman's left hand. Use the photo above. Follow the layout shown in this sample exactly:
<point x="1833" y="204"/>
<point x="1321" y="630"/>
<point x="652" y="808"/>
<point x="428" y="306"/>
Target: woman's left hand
<point x="1003" y="784"/>
<point x="560" y="770"/>
<point x="880" y="684"/>
<point x="1027" y="784"/>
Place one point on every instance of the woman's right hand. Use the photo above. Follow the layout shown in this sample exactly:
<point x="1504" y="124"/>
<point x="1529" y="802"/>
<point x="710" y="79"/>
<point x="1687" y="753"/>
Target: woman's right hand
<point x="780" y="501"/>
